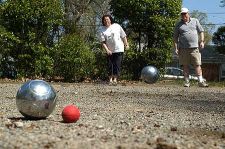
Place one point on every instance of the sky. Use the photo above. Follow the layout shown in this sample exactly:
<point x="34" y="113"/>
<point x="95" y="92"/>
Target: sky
<point x="215" y="13"/>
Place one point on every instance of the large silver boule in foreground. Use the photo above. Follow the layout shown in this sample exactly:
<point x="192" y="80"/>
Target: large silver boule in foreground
<point x="36" y="99"/>
<point x="149" y="74"/>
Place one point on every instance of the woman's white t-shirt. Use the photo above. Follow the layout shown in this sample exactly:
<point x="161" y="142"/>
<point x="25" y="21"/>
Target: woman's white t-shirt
<point x="113" y="37"/>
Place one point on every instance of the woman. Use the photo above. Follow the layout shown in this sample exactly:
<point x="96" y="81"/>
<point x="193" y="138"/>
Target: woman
<point x="114" y="41"/>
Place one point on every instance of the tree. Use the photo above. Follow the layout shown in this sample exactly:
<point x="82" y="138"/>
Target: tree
<point x="77" y="10"/>
<point x="219" y="36"/>
<point x="155" y="19"/>
<point x="208" y="26"/>
<point x="219" y="39"/>
<point x="223" y="3"/>
<point x="149" y="23"/>
<point x="82" y="16"/>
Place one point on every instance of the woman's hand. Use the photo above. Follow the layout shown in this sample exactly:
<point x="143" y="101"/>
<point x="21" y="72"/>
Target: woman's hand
<point x="127" y="47"/>
<point x="109" y="52"/>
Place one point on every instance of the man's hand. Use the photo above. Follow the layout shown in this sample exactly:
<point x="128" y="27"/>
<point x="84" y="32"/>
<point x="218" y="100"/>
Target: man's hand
<point x="177" y="51"/>
<point x="202" y="44"/>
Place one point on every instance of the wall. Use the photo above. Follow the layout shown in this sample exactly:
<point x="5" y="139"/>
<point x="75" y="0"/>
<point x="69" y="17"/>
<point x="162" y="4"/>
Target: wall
<point x="211" y="72"/>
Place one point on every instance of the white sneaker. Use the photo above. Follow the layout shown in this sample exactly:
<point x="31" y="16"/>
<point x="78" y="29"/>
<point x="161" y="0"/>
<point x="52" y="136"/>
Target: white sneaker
<point x="186" y="84"/>
<point x="203" y="84"/>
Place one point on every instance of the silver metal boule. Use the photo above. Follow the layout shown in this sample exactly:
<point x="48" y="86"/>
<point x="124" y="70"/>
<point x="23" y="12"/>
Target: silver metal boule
<point x="149" y="74"/>
<point x="36" y="99"/>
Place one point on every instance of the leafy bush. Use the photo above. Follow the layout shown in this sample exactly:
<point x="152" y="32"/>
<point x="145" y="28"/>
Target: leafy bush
<point x="7" y="42"/>
<point x="73" y="59"/>
<point x="28" y="29"/>
<point x="101" y="66"/>
<point x="132" y="64"/>
<point x="43" y="62"/>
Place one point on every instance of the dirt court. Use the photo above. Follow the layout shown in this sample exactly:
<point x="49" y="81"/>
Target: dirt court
<point x="126" y="116"/>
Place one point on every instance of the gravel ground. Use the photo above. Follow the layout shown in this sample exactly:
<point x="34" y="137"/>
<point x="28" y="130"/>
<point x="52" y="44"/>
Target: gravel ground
<point x="126" y="116"/>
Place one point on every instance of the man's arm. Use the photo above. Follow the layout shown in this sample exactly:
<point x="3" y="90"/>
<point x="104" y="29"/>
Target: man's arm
<point x="175" y="47"/>
<point x="202" y="40"/>
<point x="175" y="39"/>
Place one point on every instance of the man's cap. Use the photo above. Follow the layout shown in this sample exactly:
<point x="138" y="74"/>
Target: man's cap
<point x="184" y="10"/>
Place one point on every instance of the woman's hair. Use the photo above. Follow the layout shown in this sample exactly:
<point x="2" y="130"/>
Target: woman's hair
<point x="110" y="17"/>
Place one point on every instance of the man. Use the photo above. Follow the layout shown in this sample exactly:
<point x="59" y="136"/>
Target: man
<point x="187" y="43"/>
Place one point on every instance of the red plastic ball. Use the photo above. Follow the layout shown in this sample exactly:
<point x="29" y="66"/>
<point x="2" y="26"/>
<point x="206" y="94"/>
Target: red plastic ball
<point x="70" y="114"/>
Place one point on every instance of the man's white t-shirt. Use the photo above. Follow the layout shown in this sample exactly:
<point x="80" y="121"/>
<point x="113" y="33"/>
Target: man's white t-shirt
<point x="113" y="37"/>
